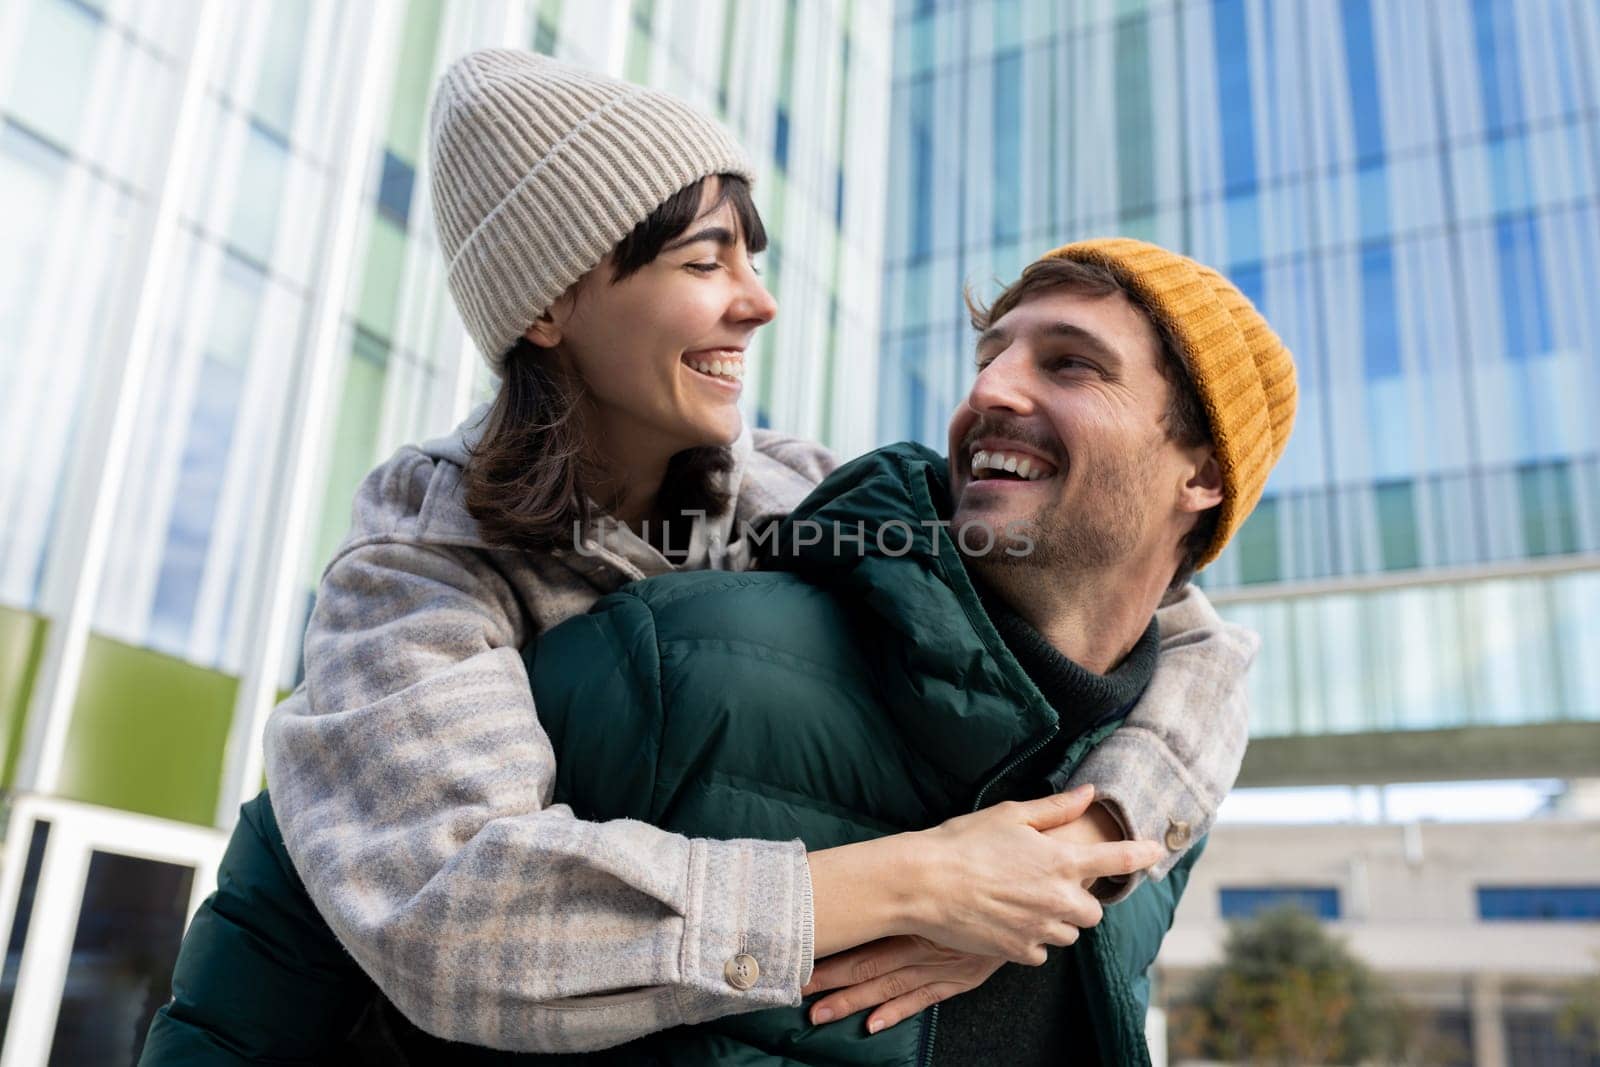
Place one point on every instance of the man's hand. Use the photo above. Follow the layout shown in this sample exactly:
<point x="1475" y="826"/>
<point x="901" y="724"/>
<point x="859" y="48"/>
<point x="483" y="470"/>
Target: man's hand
<point x="900" y="975"/>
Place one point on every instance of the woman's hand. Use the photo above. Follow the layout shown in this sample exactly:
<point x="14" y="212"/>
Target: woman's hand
<point x="899" y="975"/>
<point x="997" y="883"/>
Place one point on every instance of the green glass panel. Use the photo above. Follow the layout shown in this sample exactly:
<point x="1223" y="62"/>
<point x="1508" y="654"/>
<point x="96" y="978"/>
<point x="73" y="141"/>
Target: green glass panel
<point x="380" y="280"/>
<point x="1397" y="525"/>
<point x="786" y="72"/>
<point x="1257" y="545"/>
<point x="636" y="67"/>
<point x="724" y="76"/>
<point x="1549" y="518"/>
<point x="22" y="637"/>
<point x="413" y="79"/>
<point x="1135" y="154"/>
<point x="354" y="435"/>
<point x="148" y="733"/>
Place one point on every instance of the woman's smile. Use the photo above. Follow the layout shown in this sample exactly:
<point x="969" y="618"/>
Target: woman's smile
<point x="722" y="367"/>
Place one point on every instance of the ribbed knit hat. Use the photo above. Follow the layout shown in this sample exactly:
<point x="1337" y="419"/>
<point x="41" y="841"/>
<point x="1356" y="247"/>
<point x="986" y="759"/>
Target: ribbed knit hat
<point x="540" y="168"/>
<point x="1244" y="374"/>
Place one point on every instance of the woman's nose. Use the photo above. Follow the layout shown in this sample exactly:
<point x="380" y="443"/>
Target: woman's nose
<point x="755" y="304"/>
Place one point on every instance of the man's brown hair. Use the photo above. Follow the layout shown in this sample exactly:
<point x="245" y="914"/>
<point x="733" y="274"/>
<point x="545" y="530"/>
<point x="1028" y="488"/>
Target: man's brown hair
<point x="1185" y="418"/>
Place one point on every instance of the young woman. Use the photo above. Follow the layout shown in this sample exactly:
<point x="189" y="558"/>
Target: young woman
<point x="599" y="239"/>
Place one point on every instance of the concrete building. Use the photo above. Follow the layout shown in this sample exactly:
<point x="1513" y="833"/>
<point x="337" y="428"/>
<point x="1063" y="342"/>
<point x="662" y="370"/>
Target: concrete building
<point x="1484" y="925"/>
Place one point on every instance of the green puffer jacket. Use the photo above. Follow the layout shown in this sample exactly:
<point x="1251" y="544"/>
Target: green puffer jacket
<point x="858" y="692"/>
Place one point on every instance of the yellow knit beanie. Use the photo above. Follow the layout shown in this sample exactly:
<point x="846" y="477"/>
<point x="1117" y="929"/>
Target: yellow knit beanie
<point x="1244" y="374"/>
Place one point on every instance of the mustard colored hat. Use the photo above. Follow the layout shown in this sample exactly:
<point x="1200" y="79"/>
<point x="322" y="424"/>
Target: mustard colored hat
<point x="1244" y="374"/>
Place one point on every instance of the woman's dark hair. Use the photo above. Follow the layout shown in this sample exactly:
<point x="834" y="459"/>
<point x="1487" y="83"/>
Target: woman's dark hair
<point x="525" y="482"/>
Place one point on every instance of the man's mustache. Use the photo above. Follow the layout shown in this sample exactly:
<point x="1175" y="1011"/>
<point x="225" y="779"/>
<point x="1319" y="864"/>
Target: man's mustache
<point x="1012" y="430"/>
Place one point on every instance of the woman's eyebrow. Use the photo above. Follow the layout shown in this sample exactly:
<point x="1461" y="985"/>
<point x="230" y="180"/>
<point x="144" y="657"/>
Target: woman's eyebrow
<point x="720" y="234"/>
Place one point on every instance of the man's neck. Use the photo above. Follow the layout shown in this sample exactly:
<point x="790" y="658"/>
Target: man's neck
<point x="1093" y="619"/>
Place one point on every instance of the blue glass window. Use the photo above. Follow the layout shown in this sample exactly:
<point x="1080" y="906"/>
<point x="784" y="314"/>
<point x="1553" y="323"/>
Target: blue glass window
<point x="1233" y="93"/>
<point x="1539" y="903"/>
<point x="1380" y="339"/>
<point x="1007" y="145"/>
<point x="921" y="170"/>
<point x="200" y="479"/>
<point x="1243" y="212"/>
<point x="1372" y="189"/>
<point x="838" y="197"/>
<point x="1494" y="27"/>
<point x="1248" y="281"/>
<point x="780" y="140"/>
<point x="1319" y="901"/>
<point x="394" y="191"/>
<point x="1362" y="63"/>
<point x="1508" y="169"/>
<point x="1527" y="326"/>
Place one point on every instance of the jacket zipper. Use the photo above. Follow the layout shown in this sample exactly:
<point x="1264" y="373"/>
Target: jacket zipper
<point x="930" y="1028"/>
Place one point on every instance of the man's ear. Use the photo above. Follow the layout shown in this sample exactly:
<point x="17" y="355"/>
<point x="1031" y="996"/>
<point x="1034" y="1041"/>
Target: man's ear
<point x="1203" y="488"/>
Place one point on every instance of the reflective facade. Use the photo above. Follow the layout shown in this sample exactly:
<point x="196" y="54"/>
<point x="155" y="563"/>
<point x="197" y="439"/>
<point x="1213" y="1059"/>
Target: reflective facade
<point x="221" y="303"/>
<point x="1409" y="191"/>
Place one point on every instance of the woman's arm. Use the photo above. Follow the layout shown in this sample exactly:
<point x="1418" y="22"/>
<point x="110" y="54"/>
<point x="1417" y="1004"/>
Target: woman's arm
<point x="1162" y="774"/>
<point x="413" y="785"/>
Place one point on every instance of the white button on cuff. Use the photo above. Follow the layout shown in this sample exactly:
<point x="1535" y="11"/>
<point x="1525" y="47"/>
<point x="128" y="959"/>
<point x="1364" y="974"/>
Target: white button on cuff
<point x="742" y="971"/>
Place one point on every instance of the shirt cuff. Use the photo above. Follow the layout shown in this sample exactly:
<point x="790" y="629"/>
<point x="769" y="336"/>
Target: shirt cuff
<point x="1150" y="794"/>
<point x="749" y="932"/>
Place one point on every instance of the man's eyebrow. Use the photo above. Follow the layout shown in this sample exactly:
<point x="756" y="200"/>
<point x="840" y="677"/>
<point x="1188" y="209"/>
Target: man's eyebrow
<point x="1088" y="339"/>
<point x="992" y="335"/>
<point x="720" y="234"/>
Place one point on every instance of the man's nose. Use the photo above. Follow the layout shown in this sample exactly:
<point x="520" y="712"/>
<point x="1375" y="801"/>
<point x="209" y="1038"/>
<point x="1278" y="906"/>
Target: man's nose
<point x="1003" y="385"/>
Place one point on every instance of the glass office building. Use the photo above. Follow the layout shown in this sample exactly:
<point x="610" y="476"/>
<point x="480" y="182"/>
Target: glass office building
<point x="221" y="303"/>
<point x="1410" y="193"/>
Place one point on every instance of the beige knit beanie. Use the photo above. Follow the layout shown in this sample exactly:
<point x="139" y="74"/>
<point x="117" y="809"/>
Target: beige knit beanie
<point x="540" y="168"/>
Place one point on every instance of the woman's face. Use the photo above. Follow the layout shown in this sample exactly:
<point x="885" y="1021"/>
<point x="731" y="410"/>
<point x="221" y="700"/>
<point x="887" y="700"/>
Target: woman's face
<point x="661" y="352"/>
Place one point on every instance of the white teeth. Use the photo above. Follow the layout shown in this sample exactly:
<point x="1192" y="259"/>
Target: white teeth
<point x="1025" y="467"/>
<point x="720" y="368"/>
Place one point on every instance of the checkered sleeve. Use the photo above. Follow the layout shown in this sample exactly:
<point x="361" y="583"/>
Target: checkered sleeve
<point x="413" y="784"/>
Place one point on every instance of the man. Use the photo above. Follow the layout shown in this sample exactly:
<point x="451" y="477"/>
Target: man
<point x="937" y="636"/>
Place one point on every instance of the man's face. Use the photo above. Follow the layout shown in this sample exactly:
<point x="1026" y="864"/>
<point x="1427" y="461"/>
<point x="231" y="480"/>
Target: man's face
<point x="1062" y="433"/>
